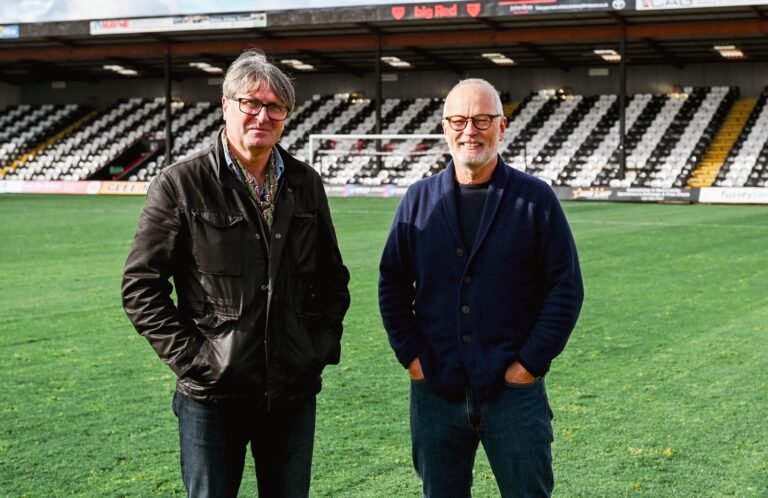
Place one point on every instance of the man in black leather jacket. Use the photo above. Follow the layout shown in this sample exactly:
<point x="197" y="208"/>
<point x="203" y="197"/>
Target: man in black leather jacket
<point x="244" y="231"/>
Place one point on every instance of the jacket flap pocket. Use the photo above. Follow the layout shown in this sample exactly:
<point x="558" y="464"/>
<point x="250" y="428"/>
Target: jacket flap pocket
<point x="217" y="241"/>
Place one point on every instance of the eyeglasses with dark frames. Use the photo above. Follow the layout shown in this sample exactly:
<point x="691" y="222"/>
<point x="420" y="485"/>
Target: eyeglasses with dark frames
<point x="481" y="121"/>
<point x="253" y="107"/>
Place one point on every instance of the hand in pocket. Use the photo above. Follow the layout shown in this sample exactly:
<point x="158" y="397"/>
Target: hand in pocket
<point x="517" y="374"/>
<point x="415" y="371"/>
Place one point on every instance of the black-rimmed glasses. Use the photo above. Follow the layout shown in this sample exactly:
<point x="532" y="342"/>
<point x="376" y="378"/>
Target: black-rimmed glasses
<point x="481" y="121"/>
<point x="252" y="107"/>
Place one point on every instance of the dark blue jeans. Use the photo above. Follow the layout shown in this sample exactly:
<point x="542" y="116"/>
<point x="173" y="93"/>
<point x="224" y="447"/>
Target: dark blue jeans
<point x="213" y="439"/>
<point x="515" y="429"/>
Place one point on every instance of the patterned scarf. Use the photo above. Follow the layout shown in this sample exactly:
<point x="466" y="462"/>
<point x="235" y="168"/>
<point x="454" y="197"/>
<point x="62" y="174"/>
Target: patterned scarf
<point x="263" y="194"/>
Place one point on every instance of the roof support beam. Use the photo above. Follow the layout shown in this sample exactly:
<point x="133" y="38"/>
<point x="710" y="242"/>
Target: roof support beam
<point x="217" y="59"/>
<point x="437" y="59"/>
<point x="60" y="41"/>
<point x="337" y="66"/>
<point x="668" y="56"/>
<point x="546" y="57"/>
<point x="618" y="18"/>
<point x="493" y="26"/>
<point x="143" y="69"/>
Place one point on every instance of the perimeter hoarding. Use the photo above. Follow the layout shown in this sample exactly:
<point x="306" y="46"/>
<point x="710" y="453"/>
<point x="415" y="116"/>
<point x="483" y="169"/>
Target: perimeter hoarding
<point x="629" y="194"/>
<point x="704" y="195"/>
<point x="376" y="12"/>
<point x="426" y="11"/>
<point x="79" y="188"/>
<point x="9" y="31"/>
<point x="694" y="4"/>
<point x="495" y="9"/>
<point x="179" y="23"/>
<point x="711" y="195"/>
<point x="742" y="195"/>
<point x="365" y="190"/>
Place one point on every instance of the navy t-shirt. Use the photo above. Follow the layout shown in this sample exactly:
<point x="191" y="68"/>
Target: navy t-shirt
<point x="471" y="202"/>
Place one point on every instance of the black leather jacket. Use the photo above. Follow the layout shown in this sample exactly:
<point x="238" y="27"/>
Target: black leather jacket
<point x="256" y="317"/>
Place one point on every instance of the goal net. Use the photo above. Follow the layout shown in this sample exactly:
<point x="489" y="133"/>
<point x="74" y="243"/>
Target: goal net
<point x="371" y="159"/>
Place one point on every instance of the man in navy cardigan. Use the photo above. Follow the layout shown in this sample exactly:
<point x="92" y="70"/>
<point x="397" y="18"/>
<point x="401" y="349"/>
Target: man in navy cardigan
<point x="479" y="290"/>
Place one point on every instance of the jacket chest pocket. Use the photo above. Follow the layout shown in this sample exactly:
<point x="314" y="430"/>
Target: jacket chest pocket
<point x="303" y="241"/>
<point x="217" y="242"/>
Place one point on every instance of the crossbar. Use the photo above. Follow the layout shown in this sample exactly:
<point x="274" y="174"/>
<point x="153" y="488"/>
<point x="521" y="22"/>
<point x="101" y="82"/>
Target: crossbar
<point x="375" y="136"/>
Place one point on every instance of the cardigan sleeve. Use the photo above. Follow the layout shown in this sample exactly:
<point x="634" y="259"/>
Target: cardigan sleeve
<point x="397" y="288"/>
<point x="564" y="291"/>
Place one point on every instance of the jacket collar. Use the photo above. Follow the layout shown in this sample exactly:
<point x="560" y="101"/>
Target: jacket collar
<point x="293" y="172"/>
<point x="449" y="187"/>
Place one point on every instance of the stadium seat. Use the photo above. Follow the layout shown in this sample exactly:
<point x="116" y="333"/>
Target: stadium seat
<point x="569" y="140"/>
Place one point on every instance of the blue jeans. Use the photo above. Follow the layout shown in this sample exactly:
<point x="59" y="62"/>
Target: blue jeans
<point x="515" y="429"/>
<point x="213" y="439"/>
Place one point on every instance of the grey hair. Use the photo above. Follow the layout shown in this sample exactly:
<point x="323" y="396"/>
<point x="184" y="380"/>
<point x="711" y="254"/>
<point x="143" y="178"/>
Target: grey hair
<point x="253" y="68"/>
<point x="482" y="83"/>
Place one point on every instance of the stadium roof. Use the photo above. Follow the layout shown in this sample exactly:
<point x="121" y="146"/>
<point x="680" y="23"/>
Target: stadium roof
<point x="347" y="39"/>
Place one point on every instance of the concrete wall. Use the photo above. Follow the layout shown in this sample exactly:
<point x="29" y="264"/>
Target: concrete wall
<point x="9" y="95"/>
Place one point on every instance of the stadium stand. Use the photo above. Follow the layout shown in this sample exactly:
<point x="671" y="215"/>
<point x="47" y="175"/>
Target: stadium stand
<point x="586" y="161"/>
<point x="747" y="160"/>
<point x="687" y="137"/>
<point x="85" y="150"/>
<point x="27" y="130"/>
<point x="567" y="140"/>
<point x="711" y="164"/>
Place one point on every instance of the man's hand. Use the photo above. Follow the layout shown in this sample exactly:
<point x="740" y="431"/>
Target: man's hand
<point x="517" y="374"/>
<point x="415" y="371"/>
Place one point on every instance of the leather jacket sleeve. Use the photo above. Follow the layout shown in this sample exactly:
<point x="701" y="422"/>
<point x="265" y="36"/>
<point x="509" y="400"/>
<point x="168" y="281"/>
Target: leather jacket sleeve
<point x="146" y="290"/>
<point x="334" y="277"/>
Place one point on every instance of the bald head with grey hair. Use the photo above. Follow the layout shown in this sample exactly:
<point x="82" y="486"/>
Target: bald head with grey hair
<point x="483" y="84"/>
<point x="252" y="69"/>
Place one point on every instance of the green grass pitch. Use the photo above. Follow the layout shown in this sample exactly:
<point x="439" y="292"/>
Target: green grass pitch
<point x="661" y="392"/>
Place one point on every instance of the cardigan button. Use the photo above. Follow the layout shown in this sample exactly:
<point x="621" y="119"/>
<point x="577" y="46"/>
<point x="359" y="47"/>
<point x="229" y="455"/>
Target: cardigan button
<point x="467" y="279"/>
<point x="466" y="338"/>
<point x="278" y="236"/>
<point x="465" y="309"/>
<point x="459" y="252"/>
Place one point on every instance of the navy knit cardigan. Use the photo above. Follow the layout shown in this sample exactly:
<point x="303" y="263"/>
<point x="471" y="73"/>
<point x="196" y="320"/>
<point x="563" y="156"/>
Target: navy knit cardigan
<point x="469" y="312"/>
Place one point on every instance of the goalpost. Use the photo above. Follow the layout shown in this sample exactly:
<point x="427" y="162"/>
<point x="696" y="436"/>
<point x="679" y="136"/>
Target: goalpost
<point x="313" y="138"/>
<point x="373" y="146"/>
